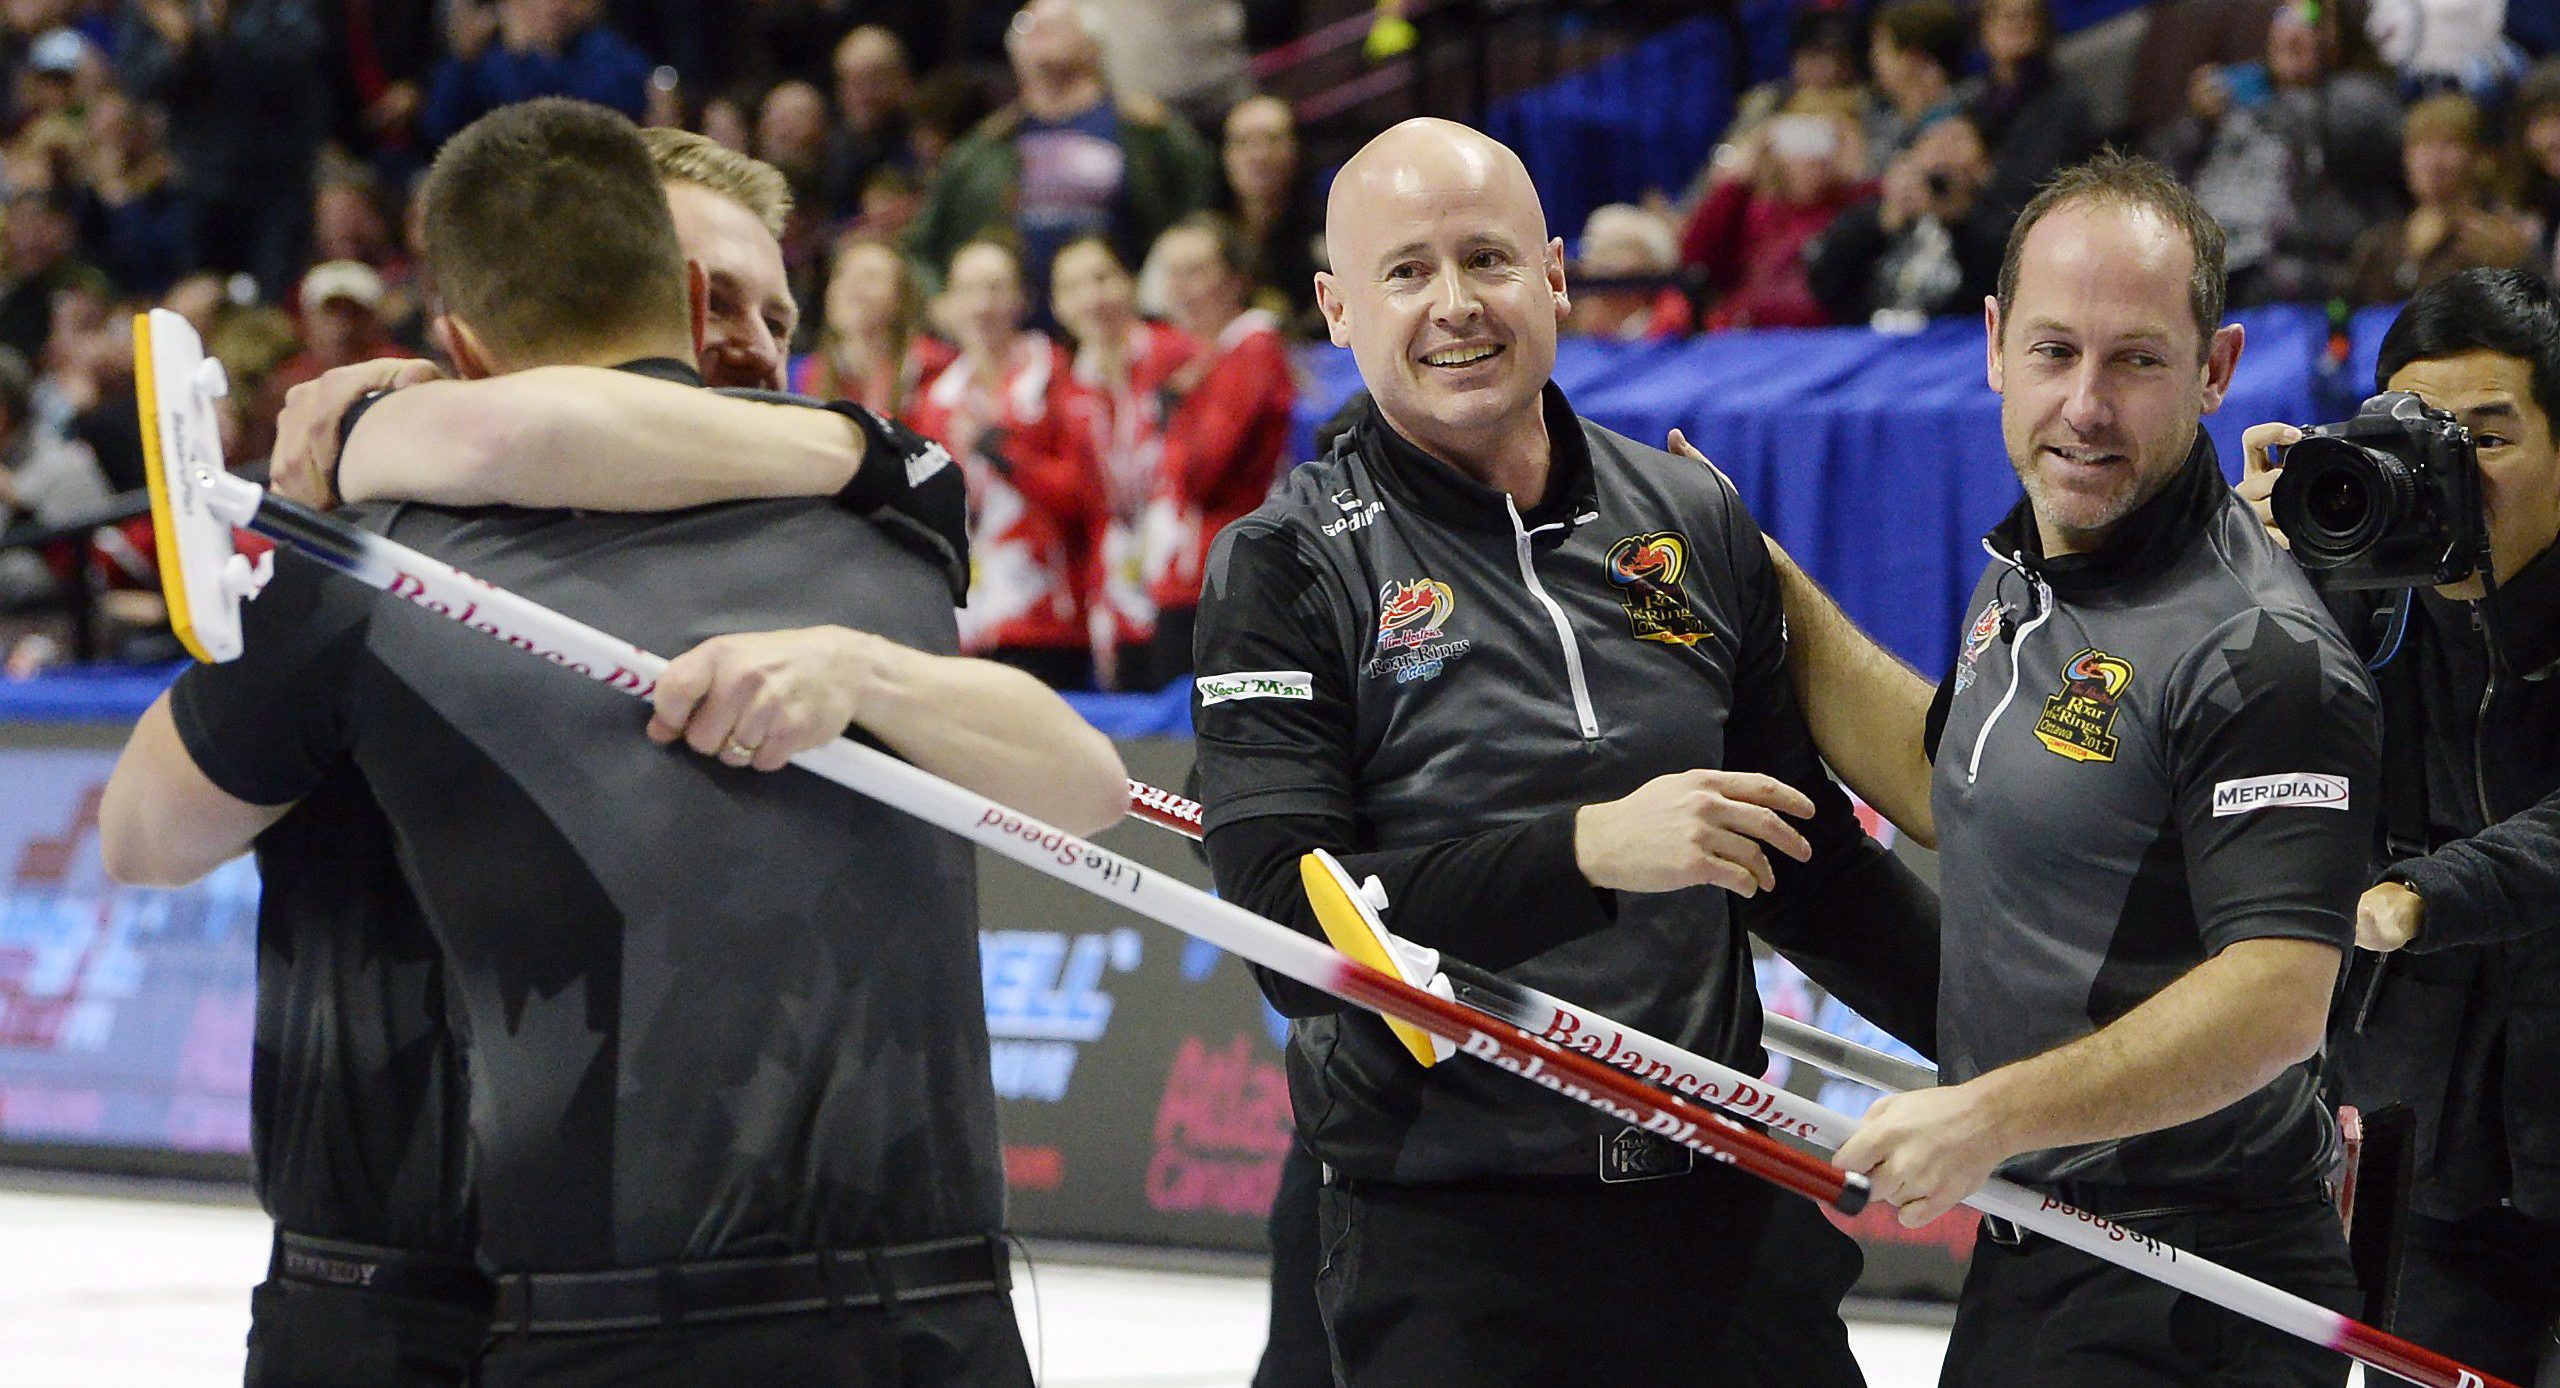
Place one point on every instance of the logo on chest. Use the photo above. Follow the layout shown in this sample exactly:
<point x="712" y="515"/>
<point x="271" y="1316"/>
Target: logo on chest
<point x="2079" y="719"/>
<point x="1410" y="644"/>
<point x="1976" y="641"/>
<point x="1646" y="569"/>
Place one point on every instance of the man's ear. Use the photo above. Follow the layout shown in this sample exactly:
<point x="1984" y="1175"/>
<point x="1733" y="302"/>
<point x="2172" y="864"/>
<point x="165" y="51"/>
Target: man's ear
<point x="1336" y="325"/>
<point x="1555" y="277"/>
<point x="697" y="289"/>
<point x="2221" y="360"/>
<point x="471" y="361"/>
<point x="1991" y="330"/>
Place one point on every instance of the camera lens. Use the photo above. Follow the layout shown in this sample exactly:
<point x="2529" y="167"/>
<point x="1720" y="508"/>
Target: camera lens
<point x="2335" y="499"/>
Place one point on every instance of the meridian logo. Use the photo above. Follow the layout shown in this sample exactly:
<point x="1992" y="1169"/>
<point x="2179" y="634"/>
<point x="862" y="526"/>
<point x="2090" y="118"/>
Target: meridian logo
<point x="2307" y="789"/>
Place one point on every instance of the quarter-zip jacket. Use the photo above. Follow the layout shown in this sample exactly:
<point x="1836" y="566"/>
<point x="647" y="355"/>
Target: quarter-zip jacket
<point x="2464" y="1024"/>
<point x="1398" y="664"/>
<point x="2146" y="754"/>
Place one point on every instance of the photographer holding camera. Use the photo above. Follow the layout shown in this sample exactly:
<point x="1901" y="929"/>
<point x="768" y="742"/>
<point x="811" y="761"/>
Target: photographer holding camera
<point x="2428" y="522"/>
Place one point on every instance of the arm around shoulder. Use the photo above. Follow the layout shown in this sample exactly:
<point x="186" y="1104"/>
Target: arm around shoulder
<point x="580" y="436"/>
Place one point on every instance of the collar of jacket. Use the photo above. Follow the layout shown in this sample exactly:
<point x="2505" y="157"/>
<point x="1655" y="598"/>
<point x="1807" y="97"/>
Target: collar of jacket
<point x="1423" y="483"/>
<point x="2525" y="613"/>
<point x="662" y="369"/>
<point x="2142" y="544"/>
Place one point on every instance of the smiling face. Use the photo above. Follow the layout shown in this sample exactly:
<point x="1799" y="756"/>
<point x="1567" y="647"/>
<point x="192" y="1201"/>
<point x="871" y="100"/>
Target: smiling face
<point x="747" y="329"/>
<point x="984" y="303"/>
<point x="2101" y="374"/>
<point x="1093" y="297"/>
<point x="2519" y="461"/>
<point x="1446" y="288"/>
<point x="866" y="292"/>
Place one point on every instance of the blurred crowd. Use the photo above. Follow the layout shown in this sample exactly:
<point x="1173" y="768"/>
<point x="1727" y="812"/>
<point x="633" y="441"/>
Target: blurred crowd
<point x="2351" y="158"/>
<point x="1068" y="240"/>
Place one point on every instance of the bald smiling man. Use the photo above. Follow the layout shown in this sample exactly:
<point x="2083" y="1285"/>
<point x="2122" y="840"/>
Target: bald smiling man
<point x="1532" y="675"/>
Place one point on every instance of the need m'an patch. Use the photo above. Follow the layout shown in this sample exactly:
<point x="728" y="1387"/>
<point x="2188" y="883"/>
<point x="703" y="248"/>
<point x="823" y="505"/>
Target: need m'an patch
<point x="1255" y="684"/>
<point x="1647" y="568"/>
<point x="2079" y="719"/>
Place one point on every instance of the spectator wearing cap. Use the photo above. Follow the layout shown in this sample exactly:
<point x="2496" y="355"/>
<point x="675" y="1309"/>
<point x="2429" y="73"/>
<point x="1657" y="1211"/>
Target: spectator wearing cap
<point x="2456" y="225"/>
<point x="1066" y="159"/>
<point x="2032" y="122"/>
<point x="342" y="324"/>
<point x="43" y="241"/>
<point x="1622" y="242"/>
<point x="246" y="121"/>
<point x="139" y="221"/>
<point x="1916" y="49"/>
<point x="45" y="151"/>
<point x="2292" y="155"/>
<point x="538" y="48"/>
<point x="874" y="94"/>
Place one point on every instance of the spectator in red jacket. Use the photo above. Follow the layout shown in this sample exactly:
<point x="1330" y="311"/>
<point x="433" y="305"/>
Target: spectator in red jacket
<point x="1223" y="441"/>
<point x="1122" y="365"/>
<point x="872" y="345"/>
<point x="1003" y="409"/>
<point x="1767" y="199"/>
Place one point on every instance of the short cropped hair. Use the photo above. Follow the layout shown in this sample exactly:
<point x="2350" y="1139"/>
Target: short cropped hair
<point x="547" y="230"/>
<point x="2509" y="312"/>
<point x="751" y="183"/>
<point x="2130" y="181"/>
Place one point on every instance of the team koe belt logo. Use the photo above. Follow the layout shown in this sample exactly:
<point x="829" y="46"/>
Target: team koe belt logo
<point x="1647" y="570"/>
<point x="2079" y="718"/>
<point x="1411" y="645"/>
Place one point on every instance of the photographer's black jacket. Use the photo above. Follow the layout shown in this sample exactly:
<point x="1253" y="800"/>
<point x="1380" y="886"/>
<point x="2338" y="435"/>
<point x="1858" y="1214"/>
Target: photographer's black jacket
<point x="2464" y="1025"/>
<point x="1397" y="665"/>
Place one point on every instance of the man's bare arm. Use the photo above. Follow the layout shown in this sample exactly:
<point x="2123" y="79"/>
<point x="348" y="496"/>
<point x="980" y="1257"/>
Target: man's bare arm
<point x="587" y="437"/>
<point x="1869" y="712"/>
<point x="757" y="699"/>
<point x="2212" y="1038"/>
<point x="162" y="823"/>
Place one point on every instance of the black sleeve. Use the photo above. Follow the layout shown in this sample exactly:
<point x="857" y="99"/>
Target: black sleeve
<point x="2496" y="885"/>
<point x="1273" y="718"/>
<point x="267" y="726"/>
<point x="906" y="485"/>
<point x="2276" y="768"/>
<point x="1494" y="899"/>
<point x="1853" y="917"/>
<point x="1841" y="265"/>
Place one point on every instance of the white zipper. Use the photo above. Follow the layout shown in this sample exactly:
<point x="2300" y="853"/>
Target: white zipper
<point x="1564" y="629"/>
<point x="2017" y="643"/>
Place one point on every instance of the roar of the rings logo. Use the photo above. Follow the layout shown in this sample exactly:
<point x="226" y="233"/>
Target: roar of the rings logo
<point x="2079" y="718"/>
<point x="1411" y="645"/>
<point x="1647" y="570"/>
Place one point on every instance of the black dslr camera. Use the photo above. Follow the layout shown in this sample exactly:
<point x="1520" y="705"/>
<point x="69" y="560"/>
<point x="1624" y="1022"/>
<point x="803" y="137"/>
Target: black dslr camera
<point x="2388" y="499"/>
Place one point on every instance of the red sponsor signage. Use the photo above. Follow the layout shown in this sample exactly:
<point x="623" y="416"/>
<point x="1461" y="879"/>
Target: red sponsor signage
<point x="1221" y="1130"/>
